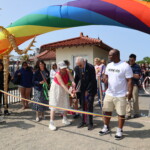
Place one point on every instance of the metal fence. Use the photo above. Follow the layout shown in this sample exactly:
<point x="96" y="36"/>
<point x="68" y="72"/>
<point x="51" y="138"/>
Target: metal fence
<point x="11" y="99"/>
<point x="14" y="91"/>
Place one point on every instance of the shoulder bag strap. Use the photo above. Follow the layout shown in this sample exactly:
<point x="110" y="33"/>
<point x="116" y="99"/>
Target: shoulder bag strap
<point x="43" y="77"/>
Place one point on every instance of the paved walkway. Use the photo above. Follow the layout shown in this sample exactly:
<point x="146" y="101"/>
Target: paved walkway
<point x="21" y="132"/>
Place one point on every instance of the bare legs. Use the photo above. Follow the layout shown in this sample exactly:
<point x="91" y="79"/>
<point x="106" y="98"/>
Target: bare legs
<point x="121" y="120"/>
<point x="107" y="119"/>
<point x="52" y="114"/>
<point x="37" y="114"/>
<point x="25" y="93"/>
<point x="22" y="91"/>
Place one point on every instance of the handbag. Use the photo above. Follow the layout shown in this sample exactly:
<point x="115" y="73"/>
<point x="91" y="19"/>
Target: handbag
<point x="45" y="87"/>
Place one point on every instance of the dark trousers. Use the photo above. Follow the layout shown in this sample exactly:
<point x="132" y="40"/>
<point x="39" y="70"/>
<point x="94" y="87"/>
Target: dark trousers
<point x="2" y="102"/>
<point x="87" y="105"/>
<point x="1" y="99"/>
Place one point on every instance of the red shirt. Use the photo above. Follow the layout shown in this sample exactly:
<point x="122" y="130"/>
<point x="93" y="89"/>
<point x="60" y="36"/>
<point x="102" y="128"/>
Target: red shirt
<point x="65" y="78"/>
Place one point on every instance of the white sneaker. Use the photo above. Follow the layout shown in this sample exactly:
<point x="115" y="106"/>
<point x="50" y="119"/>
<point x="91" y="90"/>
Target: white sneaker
<point x="37" y="119"/>
<point x="105" y="130"/>
<point x="119" y="135"/>
<point x="66" y="121"/>
<point x="52" y="126"/>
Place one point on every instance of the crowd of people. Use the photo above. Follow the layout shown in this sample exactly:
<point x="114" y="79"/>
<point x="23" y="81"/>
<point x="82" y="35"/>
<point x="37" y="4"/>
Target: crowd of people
<point x="116" y="85"/>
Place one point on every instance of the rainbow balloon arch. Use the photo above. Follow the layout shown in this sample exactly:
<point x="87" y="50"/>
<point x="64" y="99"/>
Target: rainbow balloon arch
<point x="133" y="14"/>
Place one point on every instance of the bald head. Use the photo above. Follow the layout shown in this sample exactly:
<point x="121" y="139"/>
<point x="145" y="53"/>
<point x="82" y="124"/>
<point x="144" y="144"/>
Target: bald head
<point x="79" y="59"/>
<point x="80" y="62"/>
<point x="114" y="55"/>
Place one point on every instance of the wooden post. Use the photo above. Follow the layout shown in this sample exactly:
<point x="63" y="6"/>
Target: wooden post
<point x="6" y="73"/>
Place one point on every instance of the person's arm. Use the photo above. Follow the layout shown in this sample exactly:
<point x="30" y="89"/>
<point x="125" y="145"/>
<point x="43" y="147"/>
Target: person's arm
<point x="36" y="80"/>
<point x="105" y="79"/>
<point x="63" y="84"/>
<point x="129" y="76"/>
<point x="130" y="88"/>
<point x="136" y="76"/>
<point x="76" y="70"/>
<point x="71" y="78"/>
<point x="48" y="78"/>
<point x="105" y="76"/>
<point x="137" y="73"/>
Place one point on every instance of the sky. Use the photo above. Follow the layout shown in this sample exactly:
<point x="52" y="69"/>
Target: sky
<point x="126" y="40"/>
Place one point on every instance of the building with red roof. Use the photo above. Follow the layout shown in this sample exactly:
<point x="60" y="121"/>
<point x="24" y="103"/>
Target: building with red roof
<point x="69" y="49"/>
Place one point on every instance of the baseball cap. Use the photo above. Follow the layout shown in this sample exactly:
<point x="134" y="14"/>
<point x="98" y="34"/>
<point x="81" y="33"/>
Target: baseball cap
<point x="62" y="65"/>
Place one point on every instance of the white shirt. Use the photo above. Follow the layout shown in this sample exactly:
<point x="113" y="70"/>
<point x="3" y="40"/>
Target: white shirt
<point x="118" y="73"/>
<point x="100" y="70"/>
<point x="52" y="74"/>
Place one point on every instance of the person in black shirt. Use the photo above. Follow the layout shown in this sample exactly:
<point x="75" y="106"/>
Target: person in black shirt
<point x="135" y="81"/>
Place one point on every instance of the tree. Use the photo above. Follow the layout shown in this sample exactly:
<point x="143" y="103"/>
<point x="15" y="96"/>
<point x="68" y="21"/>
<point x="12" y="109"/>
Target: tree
<point x="24" y="58"/>
<point x="147" y="0"/>
<point x="145" y="60"/>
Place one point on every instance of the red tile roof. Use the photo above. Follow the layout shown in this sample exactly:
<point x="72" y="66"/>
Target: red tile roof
<point x="49" y="55"/>
<point x="78" y="41"/>
<point x="46" y="55"/>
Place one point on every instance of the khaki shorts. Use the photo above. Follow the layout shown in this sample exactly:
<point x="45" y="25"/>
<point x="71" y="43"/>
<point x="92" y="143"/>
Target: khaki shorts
<point x="115" y="103"/>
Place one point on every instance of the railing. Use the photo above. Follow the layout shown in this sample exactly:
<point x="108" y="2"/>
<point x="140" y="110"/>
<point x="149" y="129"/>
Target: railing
<point x="14" y="91"/>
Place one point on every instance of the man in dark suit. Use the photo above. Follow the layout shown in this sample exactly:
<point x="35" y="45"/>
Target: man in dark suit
<point x="85" y="76"/>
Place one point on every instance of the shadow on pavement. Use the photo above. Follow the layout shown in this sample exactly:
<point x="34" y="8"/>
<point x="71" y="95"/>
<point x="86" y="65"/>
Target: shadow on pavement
<point x="142" y="134"/>
<point x="17" y="124"/>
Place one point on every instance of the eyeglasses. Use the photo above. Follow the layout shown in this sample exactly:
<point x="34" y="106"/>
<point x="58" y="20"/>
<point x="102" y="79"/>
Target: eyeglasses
<point x="132" y="60"/>
<point x="80" y="66"/>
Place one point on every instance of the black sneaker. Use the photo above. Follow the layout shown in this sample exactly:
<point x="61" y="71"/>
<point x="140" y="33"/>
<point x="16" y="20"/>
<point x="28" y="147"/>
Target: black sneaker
<point x="136" y="116"/>
<point x="119" y="134"/>
<point x="81" y="125"/>
<point x="76" y="116"/>
<point x="6" y="113"/>
<point x="128" y="117"/>
<point x="90" y="127"/>
<point x="104" y="131"/>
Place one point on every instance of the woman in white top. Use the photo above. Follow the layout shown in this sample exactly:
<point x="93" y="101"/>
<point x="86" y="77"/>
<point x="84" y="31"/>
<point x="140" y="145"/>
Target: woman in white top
<point x="97" y="63"/>
<point x="100" y="70"/>
<point x="53" y="71"/>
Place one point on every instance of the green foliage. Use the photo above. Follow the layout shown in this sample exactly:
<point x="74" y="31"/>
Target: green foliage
<point x="24" y="57"/>
<point x="145" y="60"/>
<point x="147" y="0"/>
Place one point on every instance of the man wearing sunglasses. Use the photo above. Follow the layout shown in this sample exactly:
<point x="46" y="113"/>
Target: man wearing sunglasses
<point x="86" y="78"/>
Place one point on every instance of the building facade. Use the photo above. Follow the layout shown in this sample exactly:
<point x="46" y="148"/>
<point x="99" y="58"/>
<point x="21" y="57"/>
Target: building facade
<point x="69" y="49"/>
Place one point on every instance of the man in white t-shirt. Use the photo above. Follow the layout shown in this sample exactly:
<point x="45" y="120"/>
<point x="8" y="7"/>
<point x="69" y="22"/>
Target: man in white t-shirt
<point x="118" y="75"/>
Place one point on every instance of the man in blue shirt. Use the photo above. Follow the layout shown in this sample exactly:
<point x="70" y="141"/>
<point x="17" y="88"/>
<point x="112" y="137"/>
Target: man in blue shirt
<point x="135" y="80"/>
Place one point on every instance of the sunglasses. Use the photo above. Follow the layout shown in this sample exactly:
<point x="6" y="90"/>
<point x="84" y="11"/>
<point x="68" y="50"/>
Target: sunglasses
<point x="80" y="66"/>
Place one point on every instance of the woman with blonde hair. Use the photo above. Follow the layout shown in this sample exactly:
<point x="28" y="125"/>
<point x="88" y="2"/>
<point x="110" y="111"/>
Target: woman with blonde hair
<point x="97" y="63"/>
<point x="100" y="70"/>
